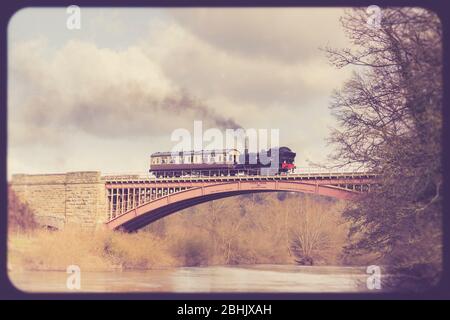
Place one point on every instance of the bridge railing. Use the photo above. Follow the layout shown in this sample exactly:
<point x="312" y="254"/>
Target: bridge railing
<point x="298" y="172"/>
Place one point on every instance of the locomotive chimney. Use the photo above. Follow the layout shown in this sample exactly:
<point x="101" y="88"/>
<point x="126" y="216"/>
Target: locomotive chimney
<point x="246" y="144"/>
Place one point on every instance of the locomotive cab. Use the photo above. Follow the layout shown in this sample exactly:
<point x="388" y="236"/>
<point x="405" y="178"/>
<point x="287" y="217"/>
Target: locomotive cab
<point x="286" y="159"/>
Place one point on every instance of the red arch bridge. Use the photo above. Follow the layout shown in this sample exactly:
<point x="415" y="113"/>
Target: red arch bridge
<point x="134" y="201"/>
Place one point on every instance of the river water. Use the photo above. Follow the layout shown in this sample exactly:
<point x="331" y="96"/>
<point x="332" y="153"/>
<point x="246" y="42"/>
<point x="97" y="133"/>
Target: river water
<point x="259" y="278"/>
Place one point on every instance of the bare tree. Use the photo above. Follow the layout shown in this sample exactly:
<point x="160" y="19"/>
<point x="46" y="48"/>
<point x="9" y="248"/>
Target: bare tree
<point x="315" y="231"/>
<point x="390" y="122"/>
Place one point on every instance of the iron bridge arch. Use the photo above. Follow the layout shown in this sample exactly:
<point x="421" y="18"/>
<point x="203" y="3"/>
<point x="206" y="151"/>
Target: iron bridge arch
<point x="135" y="203"/>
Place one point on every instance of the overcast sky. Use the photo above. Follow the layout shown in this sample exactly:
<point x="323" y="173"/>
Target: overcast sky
<point x="108" y="95"/>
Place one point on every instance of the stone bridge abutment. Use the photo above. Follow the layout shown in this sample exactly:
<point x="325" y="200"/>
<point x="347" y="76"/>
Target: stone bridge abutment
<point x="60" y="200"/>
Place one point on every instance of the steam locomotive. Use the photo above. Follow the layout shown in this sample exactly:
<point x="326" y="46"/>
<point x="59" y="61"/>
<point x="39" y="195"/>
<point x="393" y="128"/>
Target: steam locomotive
<point x="224" y="162"/>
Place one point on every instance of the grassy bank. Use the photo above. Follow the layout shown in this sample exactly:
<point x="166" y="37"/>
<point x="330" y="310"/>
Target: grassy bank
<point x="100" y="250"/>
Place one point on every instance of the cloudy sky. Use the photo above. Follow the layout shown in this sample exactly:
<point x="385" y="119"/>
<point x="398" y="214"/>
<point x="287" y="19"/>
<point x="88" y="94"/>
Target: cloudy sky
<point x="106" y="96"/>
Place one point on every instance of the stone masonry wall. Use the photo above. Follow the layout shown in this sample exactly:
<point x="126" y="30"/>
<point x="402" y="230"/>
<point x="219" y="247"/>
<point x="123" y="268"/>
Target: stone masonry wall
<point x="60" y="200"/>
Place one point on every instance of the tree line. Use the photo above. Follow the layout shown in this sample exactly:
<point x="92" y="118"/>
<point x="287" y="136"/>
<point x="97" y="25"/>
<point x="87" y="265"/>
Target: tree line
<point x="389" y="117"/>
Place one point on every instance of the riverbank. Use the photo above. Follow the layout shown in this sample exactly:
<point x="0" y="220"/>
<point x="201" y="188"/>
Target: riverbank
<point x="43" y="250"/>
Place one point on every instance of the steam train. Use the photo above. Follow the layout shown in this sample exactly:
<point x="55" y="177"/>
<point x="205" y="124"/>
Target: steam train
<point x="224" y="162"/>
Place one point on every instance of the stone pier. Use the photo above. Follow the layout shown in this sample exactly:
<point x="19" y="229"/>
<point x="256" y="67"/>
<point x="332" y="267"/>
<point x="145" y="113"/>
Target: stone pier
<point x="61" y="200"/>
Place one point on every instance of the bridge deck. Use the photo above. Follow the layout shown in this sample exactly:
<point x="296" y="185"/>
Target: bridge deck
<point x="120" y="179"/>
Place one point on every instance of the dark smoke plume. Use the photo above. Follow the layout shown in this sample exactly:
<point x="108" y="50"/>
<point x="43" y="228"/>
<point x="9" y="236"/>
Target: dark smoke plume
<point x="185" y="103"/>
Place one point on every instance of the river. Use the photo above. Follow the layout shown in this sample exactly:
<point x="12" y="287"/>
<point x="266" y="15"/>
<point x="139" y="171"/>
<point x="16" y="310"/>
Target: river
<point x="258" y="278"/>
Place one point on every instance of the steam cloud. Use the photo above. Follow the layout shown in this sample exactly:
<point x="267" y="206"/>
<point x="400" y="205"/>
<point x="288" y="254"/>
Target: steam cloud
<point x="106" y="94"/>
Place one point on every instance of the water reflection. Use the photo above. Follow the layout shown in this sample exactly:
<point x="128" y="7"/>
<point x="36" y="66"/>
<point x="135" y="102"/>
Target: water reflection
<point x="261" y="278"/>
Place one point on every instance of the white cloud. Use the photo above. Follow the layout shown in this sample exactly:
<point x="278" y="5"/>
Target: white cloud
<point x="287" y="34"/>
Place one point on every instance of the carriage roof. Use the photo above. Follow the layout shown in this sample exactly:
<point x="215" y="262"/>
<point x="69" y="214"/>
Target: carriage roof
<point x="191" y="152"/>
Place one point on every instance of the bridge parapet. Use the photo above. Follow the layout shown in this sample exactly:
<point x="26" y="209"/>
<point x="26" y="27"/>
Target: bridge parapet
<point x="58" y="200"/>
<point x="145" y="178"/>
